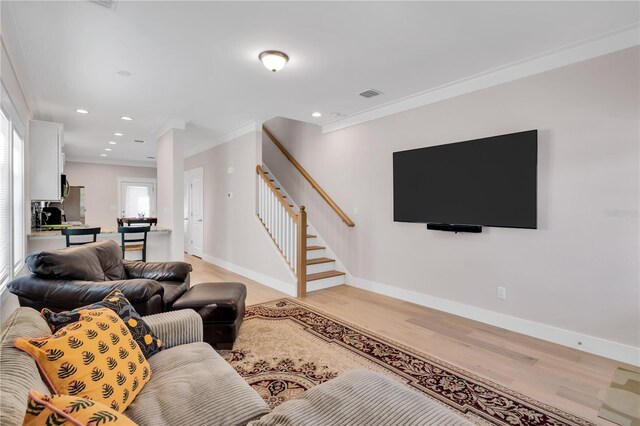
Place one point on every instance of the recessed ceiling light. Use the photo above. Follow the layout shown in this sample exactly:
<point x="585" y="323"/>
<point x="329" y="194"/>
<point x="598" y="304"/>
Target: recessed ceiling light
<point x="103" y="155"/>
<point x="316" y="114"/>
<point x="107" y="149"/>
<point x="151" y="158"/>
<point x="274" y="60"/>
<point x="82" y="111"/>
<point x="113" y="143"/>
<point x="124" y="117"/>
<point x="117" y="134"/>
<point x="124" y="73"/>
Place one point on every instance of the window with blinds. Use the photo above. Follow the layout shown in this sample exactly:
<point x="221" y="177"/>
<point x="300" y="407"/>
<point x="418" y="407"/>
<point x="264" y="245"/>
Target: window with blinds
<point x="5" y="201"/>
<point x="12" y="199"/>
<point x="19" y="234"/>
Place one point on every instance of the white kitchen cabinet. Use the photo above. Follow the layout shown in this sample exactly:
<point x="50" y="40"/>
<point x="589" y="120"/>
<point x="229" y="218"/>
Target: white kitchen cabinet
<point x="45" y="146"/>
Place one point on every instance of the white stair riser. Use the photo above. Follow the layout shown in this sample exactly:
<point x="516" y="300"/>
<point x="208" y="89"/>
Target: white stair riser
<point x="314" y="254"/>
<point x="321" y="267"/>
<point x="325" y="283"/>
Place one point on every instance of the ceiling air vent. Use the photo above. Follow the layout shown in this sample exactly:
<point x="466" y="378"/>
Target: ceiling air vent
<point x="370" y="93"/>
<point x="138" y="141"/>
<point x="111" y="4"/>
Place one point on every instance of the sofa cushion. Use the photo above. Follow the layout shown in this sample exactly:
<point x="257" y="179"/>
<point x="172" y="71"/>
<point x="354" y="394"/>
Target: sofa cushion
<point x="109" y="254"/>
<point x="173" y="290"/>
<point x="362" y="398"/>
<point x="18" y="371"/>
<point x="142" y="334"/>
<point x="217" y="395"/>
<point x="74" y="263"/>
<point x="158" y="271"/>
<point x="99" y="261"/>
<point x="94" y="357"/>
<point x="57" y="409"/>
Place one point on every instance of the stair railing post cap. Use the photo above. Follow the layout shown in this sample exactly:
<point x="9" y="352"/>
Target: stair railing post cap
<point x="301" y="207"/>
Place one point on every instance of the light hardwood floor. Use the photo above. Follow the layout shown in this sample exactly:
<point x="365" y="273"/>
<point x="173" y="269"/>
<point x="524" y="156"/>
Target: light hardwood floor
<point x="574" y="381"/>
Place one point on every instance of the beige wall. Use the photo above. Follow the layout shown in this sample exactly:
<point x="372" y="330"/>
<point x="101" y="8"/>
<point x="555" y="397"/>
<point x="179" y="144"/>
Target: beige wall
<point x="579" y="271"/>
<point x="170" y="160"/>
<point x="101" y="188"/>
<point x="232" y="232"/>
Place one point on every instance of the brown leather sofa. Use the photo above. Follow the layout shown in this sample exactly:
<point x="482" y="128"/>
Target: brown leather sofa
<point x="70" y="278"/>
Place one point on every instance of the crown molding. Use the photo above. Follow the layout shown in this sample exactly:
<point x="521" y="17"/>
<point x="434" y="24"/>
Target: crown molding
<point x="556" y="58"/>
<point x="111" y="162"/>
<point x="173" y="123"/>
<point x="248" y="127"/>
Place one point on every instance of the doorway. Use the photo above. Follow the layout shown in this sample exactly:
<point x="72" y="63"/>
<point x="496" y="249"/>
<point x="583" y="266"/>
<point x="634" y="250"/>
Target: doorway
<point x="136" y="197"/>
<point x="194" y="212"/>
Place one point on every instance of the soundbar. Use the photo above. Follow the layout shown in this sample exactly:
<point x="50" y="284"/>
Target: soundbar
<point x="454" y="228"/>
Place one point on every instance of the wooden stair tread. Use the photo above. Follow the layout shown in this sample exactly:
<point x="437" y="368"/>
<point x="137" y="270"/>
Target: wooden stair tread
<point x="315" y="248"/>
<point x="311" y="236"/>
<point x="322" y="275"/>
<point x="133" y="247"/>
<point x="319" y="260"/>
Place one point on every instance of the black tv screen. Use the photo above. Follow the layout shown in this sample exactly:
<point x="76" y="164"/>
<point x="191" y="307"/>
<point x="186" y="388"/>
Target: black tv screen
<point x="489" y="181"/>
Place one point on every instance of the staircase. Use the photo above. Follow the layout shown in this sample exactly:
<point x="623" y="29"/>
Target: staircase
<point x="322" y="268"/>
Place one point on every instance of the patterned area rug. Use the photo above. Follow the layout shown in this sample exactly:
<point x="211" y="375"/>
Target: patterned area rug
<point x="286" y="347"/>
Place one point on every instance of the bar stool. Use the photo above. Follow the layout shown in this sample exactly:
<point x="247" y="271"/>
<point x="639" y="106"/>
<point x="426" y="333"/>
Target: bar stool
<point x="80" y="231"/>
<point x="127" y="243"/>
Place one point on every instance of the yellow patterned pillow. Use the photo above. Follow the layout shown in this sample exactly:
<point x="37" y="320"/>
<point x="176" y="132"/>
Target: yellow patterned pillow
<point x="95" y="357"/>
<point x="74" y="410"/>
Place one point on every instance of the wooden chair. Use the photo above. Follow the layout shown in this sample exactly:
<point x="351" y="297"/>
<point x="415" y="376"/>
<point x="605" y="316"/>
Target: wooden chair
<point x="80" y="231"/>
<point x="134" y="244"/>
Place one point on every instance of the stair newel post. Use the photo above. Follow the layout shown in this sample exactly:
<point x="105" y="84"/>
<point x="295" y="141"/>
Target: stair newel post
<point x="302" y="252"/>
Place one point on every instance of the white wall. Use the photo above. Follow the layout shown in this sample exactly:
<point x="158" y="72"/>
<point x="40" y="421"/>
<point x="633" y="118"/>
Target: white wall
<point x="579" y="271"/>
<point x="233" y="236"/>
<point x="101" y="188"/>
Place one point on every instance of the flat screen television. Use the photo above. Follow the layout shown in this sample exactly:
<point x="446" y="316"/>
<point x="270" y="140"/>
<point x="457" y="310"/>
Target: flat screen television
<point x="489" y="182"/>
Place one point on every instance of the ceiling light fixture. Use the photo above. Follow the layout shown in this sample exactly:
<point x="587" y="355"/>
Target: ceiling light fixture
<point x="117" y="134"/>
<point x="107" y="149"/>
<point x="82" y="111"/>
<point x="273" y="60"/>
<point x="124" y="73"/>
<point x="126" y="118"/>
<point x="316" y="114"/>
<point x="103" y="155"/>
<point x="113" y="143"/>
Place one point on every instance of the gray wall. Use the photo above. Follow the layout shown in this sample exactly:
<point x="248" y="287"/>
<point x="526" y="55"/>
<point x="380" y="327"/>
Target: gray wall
<point x="579" y="271"/>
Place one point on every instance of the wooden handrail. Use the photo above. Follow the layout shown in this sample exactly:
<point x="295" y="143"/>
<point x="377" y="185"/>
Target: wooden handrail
<point x="309" y="179"/>
<point x="277" y="193"/>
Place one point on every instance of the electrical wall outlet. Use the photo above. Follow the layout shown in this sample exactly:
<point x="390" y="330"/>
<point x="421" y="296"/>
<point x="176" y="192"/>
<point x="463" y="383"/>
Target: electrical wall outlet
<point x="502" y="293"/>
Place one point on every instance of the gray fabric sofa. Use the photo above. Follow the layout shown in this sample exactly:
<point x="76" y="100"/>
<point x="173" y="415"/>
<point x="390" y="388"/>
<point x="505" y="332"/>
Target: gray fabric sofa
<point x="190" y="383"/>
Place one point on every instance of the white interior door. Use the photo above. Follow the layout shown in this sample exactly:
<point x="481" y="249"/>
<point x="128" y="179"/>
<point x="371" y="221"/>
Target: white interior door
<point x="196" y="212"/>
<point x="186" y="188"/>
<point x="137" y="198"/>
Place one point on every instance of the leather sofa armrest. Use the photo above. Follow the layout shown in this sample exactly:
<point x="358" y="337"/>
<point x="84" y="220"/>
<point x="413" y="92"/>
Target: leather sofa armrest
<point x="64" y="294"/>
<point x="176" y="327"/>
<point x="158" y="271"/>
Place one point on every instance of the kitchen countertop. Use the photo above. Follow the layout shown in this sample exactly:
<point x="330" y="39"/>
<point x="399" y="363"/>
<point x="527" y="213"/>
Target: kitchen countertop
<point x="41" y="233"/>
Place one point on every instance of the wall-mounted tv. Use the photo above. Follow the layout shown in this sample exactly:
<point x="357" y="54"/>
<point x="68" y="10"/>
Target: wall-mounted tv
<point x="489" y="182"/>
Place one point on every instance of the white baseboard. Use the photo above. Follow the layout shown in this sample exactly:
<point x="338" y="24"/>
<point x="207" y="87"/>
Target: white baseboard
<point x="274" y="283"/>
<point x="594" y="345"/>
